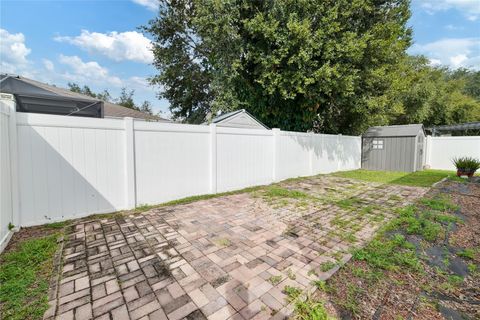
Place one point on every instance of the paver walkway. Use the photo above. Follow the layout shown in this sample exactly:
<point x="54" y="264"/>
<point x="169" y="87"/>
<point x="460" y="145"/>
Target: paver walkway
<point x="225" y="258"/>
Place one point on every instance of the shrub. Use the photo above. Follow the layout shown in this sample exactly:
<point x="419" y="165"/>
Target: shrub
<point x="466" y="163"/>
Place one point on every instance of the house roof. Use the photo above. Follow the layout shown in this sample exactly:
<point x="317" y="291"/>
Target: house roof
<point x="409" y="130"/>
<point x="30" y="87"/>
<point x="232" y="114"/>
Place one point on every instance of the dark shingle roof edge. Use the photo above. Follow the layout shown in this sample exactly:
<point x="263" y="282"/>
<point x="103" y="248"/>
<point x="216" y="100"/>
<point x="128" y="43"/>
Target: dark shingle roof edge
<point x="111" y="110"/>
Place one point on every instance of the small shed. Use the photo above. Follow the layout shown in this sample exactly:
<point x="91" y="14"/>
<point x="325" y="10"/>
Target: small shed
<point x="394" y="148"/>
<point x="239" y="119"/>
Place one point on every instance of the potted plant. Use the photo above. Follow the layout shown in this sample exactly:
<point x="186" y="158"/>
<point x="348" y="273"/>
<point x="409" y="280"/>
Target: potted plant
<point x="466" y="166"/>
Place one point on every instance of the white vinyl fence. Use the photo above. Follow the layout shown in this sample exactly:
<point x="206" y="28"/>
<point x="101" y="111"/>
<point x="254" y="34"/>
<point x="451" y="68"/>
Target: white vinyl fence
<point x="54" y="168"/>
<point x="71" y="167"/>
<point x="441" y="150"/>
<point x="8" y="200"/>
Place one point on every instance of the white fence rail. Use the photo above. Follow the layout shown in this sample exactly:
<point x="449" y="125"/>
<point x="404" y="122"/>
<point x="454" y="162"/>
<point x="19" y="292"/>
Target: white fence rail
<point x="70" y="167"/>
<point x="441" y="150"/>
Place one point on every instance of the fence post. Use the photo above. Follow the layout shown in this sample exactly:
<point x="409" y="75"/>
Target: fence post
<point x="428" y="150"/>
<point x="9" y="100"/>
<point x="311" y="152"/>
<point x="213" y="158"/>
<point x="339" y="137"/>
<point x="276" y="157"/>
<point x="130" y="187"/>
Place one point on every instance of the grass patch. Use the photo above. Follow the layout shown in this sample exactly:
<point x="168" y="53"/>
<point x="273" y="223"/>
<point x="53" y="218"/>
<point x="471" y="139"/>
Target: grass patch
<point x="24" y="278"/>
<point x="58" y="225"/>
<point x="423" y="178"/>
<point x="274" y="280"/>
<point x="349" y="203"/>
<point x="326" y="266"/>
<point x="292" y="292"/>
<point x="278" y="192"/>
<point x="439" y="203"/>
<point x="467" y="253"/>
<point x="310" y="309"/>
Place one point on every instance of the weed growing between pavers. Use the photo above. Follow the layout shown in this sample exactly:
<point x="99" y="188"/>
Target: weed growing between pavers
<point x="223" y="242"/>
<point x="310" y="309"/>
<point x="24" y="277"/>
<point x="327" y="266"/>
<point x="274" y="280"/>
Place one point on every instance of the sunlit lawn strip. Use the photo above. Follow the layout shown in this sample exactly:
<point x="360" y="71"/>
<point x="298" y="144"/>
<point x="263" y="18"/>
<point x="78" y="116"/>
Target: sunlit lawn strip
<point x="423" y="178"/>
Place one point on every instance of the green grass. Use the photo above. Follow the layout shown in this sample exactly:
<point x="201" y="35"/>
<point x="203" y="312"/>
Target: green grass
<point x="278" y="192"/>
<point x="467" y="253"/>
<point x="310" y="309"/>
<point x="349" y="203"/>
<point x="274" y="280"/>
<point x="328" y="265"/>
<point x="292" y="292"/>
<point x="423" y="178"/>
<point x="24" y="278"/>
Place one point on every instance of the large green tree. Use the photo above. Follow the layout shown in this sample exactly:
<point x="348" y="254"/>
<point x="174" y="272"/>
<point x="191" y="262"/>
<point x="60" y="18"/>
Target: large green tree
<point x="430" y="95"/>
<point x="295" y="64"/>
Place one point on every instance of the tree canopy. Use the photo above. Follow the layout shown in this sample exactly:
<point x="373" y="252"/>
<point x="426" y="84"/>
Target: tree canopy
<point x="335" y="66"/>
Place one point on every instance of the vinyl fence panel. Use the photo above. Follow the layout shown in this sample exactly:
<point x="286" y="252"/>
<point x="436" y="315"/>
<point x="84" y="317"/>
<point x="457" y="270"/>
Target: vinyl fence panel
<point x="69" y="167"/>
<point x="244" y="158"/>
<point x="441" y="150"/>
<point x="294" y="154"/>
<point x="171" y="161"/>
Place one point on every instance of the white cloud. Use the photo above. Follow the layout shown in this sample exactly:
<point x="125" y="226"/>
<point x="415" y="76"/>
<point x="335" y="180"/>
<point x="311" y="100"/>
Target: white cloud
<point x="149" y="4"/>
<point x="469" y="8"/>
<point x="454" y="53"/>
<point x="118" y="46"/>
<point x="48" y="64"/>
<point x="86" y="72"/>
<point x="13" y="52"/>
<point x="452" y="27"/>
<point x="435" y="62"/>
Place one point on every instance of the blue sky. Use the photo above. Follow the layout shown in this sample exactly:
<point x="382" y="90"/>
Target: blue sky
<point x="98" y="42"/>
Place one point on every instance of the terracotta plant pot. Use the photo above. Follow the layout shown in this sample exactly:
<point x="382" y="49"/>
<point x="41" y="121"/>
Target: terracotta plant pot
<point x="465" y="172"/>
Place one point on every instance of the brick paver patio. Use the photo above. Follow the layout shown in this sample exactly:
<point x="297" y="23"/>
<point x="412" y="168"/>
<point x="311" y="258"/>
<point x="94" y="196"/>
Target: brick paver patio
<point x="225" y="258"/>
